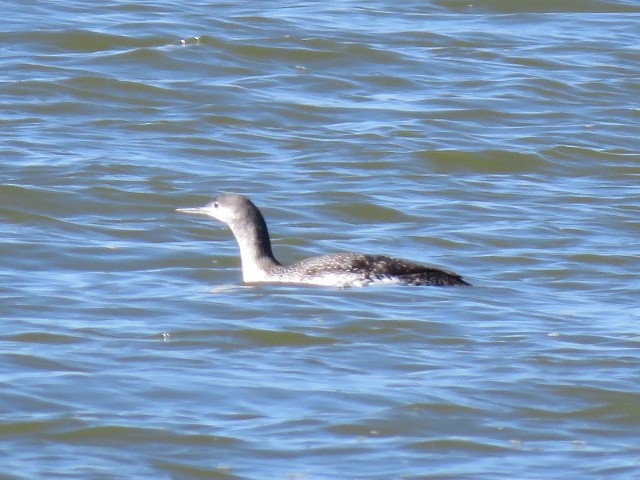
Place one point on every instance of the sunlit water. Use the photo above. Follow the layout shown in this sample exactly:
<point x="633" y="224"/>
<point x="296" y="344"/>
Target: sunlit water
<point x="496" y="139"/>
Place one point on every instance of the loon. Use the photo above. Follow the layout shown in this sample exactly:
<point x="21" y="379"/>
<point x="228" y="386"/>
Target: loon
<point x="339" y="270"/>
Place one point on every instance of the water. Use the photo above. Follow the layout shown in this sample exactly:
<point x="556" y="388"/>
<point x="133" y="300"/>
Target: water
<point x="497" y="139"/>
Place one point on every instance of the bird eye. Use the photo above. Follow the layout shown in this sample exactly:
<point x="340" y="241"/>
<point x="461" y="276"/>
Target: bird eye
<point x="215" y="205"/>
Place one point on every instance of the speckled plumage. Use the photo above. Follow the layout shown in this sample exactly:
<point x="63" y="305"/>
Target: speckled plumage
<point x="340" y="269"/>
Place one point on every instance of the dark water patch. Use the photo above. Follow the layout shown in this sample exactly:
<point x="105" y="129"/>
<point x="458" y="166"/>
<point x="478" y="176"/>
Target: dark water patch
<point x="34" y="362"/>
<point x="157" y="58"/>
<point x="81" y="41"/>
<point x="541" y="6"/>
<point x="414" y="424"/>
<point x="619" y="158"/>
<point x="449" y="408"/>
<point x="293" y="55"/>
<point x="185" y="470"/>
<point x="29" y="199"/>
<point x="460" y="445"/>
<point x="488" y="161"/>
<point x="266" y="338"/>
<point x="141" y="436"/>
<point x="358" y="212"/>
<point x="44" y="338"/>
<point x="35" y="427"/>
<point x="135" y="93"/>
<point x="248" y="337"/>
<point x="410" y="332"/>
<point x="602" y="405"/>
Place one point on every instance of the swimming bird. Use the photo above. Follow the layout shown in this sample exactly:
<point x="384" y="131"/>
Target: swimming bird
<point x="341" y="269"/>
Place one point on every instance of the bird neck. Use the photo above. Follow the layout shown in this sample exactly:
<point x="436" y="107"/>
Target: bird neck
<point x="256" y="255"/>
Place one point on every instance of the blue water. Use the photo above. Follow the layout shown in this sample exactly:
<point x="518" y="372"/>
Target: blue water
<point x="496" y="139"/>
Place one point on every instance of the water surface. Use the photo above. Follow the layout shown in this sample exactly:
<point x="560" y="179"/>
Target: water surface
<point x="497" y="139"/>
